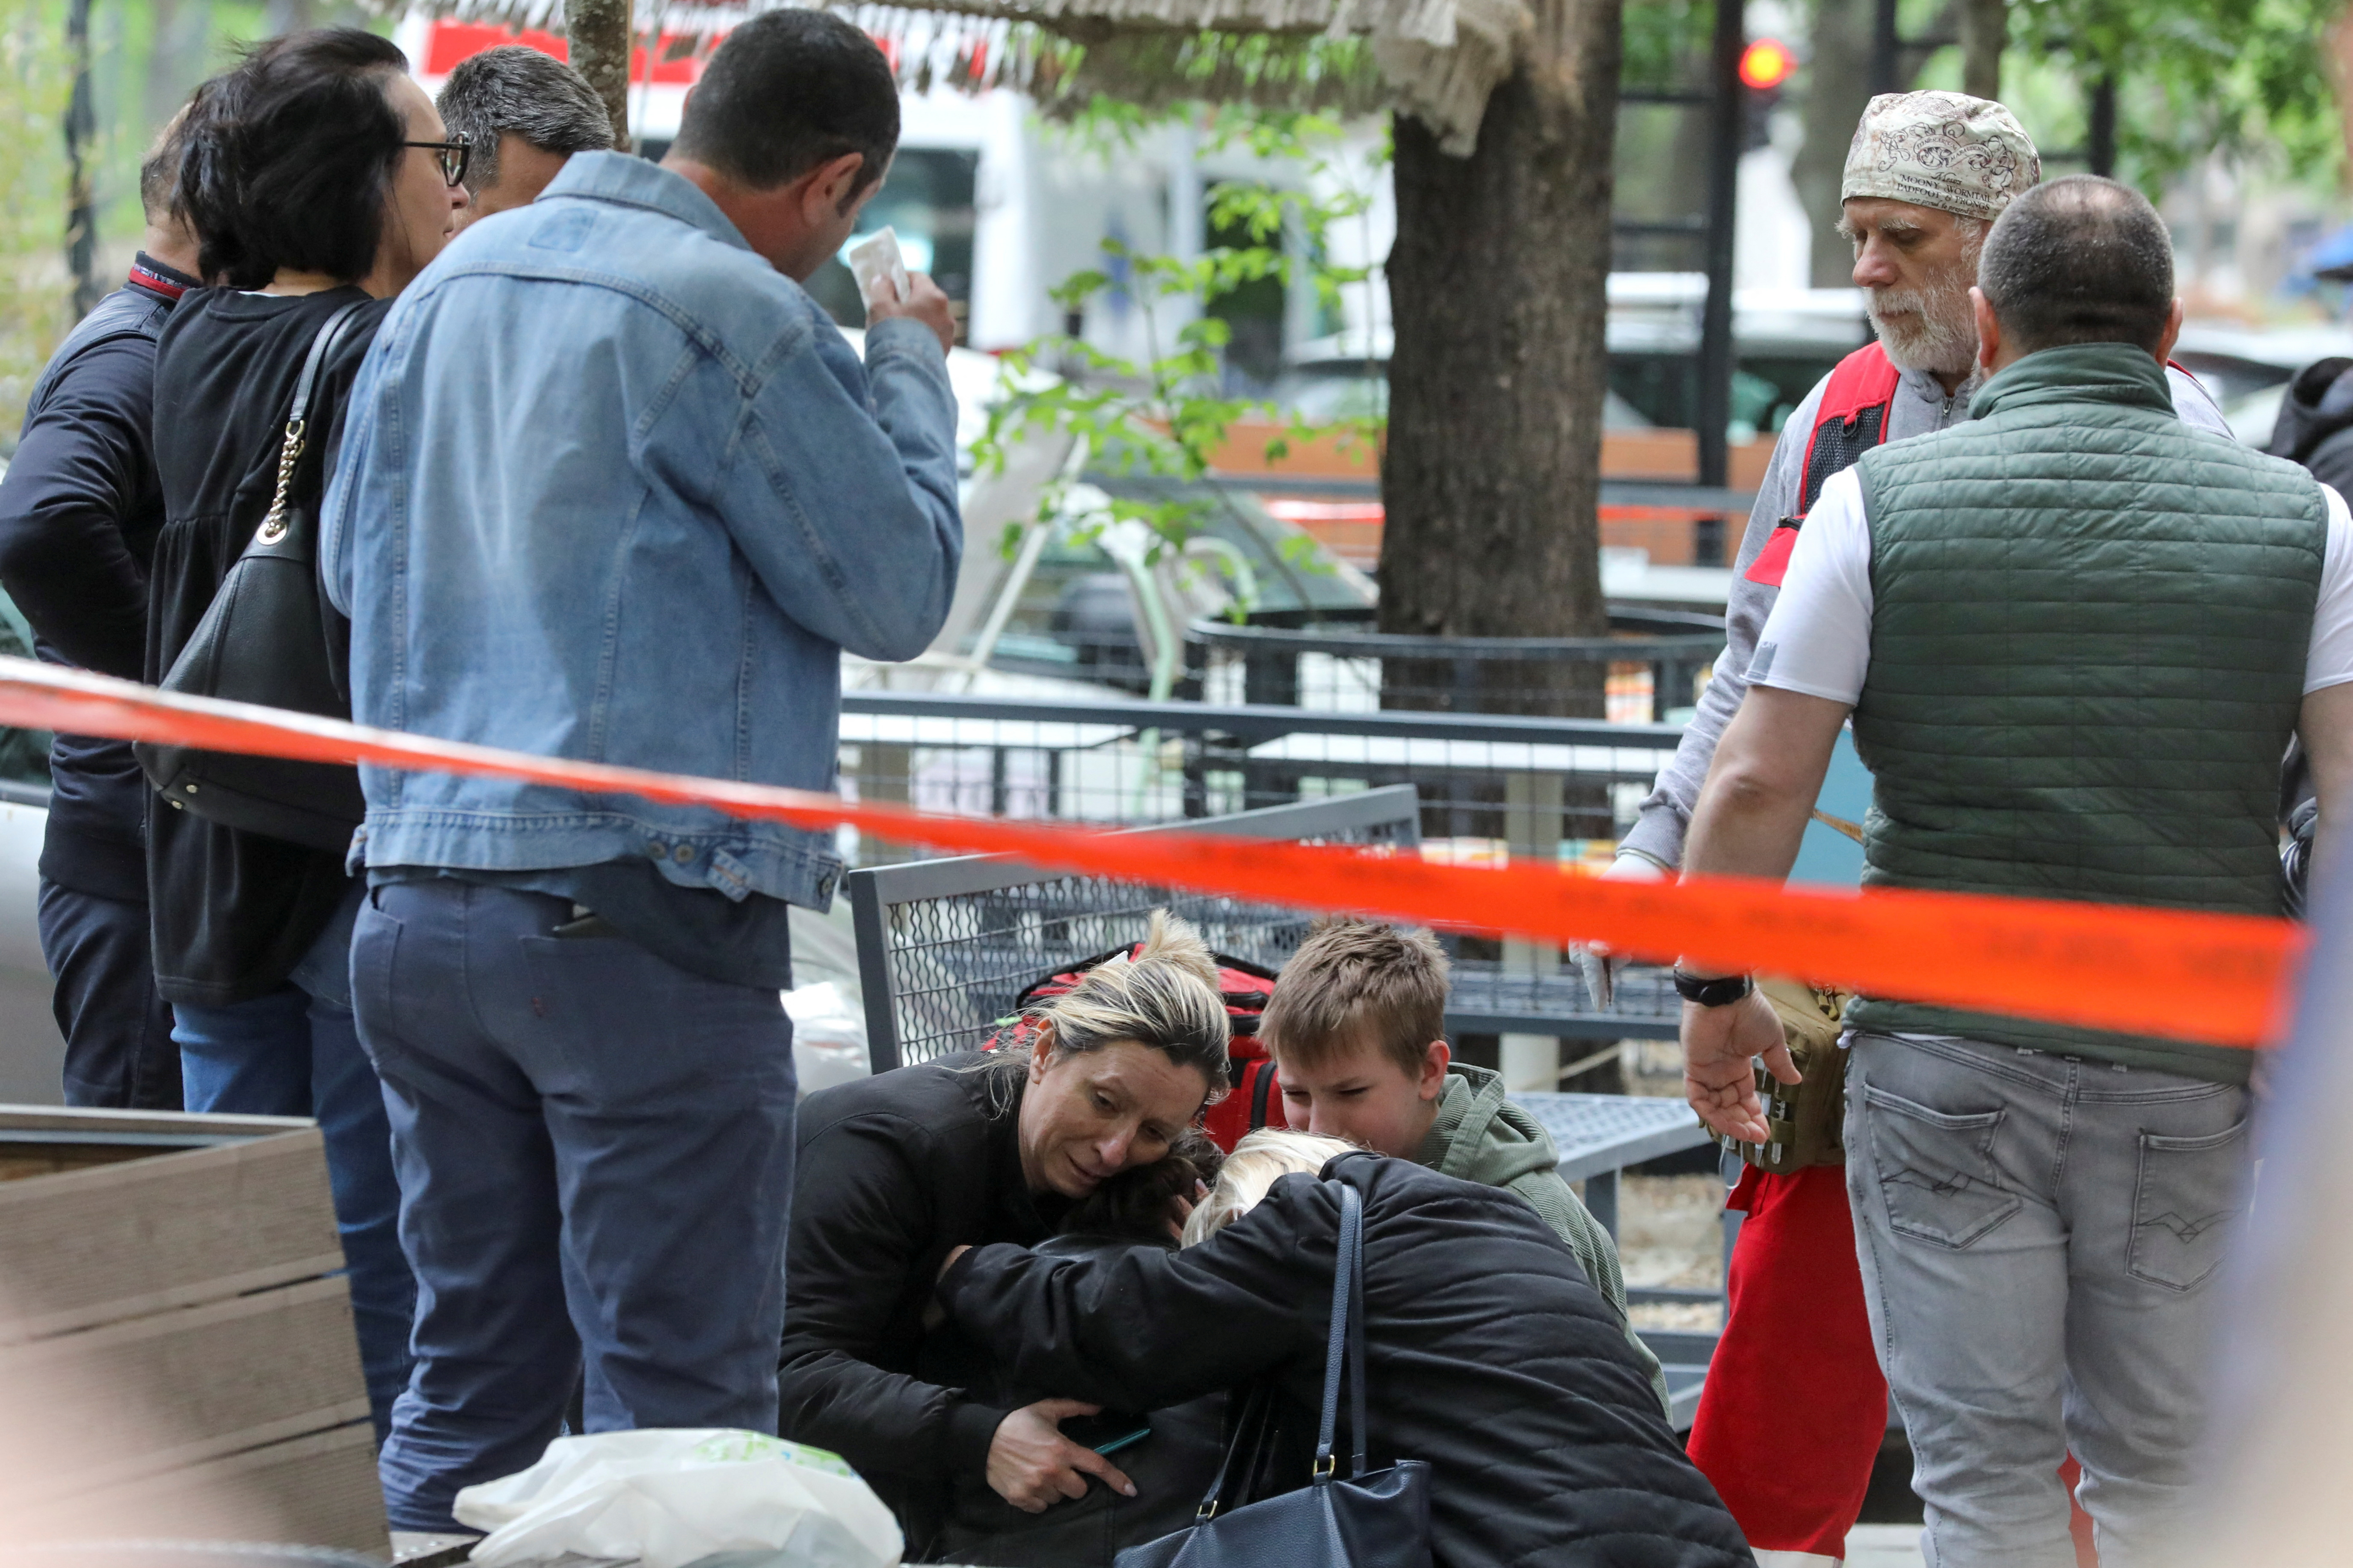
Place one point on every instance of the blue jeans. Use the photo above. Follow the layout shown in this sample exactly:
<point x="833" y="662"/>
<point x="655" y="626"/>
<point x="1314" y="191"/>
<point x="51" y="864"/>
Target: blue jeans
<point x="295" y="1052"/>
<point x="596" y="1154"/>
<point x="2038" y="1237"/>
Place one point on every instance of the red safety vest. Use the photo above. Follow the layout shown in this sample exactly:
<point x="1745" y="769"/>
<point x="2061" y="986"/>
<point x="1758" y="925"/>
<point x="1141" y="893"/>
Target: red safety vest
<point x="1851" y="421"/>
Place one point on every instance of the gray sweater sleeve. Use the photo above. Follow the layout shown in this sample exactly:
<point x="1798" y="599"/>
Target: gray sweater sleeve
<point x="1657" y="834"/>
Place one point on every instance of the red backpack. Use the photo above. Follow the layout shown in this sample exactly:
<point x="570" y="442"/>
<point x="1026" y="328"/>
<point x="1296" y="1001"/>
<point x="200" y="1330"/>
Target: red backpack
<point x="1243" y="985"/>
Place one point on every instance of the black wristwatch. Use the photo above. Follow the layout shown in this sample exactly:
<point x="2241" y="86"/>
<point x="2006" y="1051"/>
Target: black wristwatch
<point x="1719" y="993"/>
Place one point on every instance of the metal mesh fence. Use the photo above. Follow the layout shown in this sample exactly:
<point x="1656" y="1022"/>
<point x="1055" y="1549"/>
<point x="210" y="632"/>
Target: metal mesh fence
<point x="956" y="960"/>
<point x="1488" y="790"/>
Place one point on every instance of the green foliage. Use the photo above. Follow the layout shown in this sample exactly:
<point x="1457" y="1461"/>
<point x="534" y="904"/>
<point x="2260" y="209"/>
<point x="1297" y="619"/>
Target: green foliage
<point x="2245" y="78"/>
<point x="1666" y="43"/>
<point x="1165" y="415"/>
<point x="34" y="289"/>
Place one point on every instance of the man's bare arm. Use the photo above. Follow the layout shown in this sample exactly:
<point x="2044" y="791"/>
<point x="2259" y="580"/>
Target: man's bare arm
<point x="2326" y="726"/>
<point x="1752" y="813"/>
<point x="1763" y="784"/>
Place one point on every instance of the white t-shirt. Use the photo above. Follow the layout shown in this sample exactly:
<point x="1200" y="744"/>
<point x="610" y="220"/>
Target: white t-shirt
<point x="1818" y="638"/>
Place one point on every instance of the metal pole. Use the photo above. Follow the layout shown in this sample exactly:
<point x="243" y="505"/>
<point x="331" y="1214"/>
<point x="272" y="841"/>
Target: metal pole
<point x="2100" y="142"/>
<point x="1884" y="46"/>
<point x="1725" y="134"/>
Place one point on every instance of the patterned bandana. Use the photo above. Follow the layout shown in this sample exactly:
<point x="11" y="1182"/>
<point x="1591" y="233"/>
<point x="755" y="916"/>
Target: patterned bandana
<point x="1941" y="149"/>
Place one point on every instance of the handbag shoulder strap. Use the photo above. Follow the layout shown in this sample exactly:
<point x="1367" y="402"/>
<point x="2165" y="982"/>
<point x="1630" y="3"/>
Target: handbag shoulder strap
<point x="298" y="419"/>
<point x="1250" y="1424"/>
<point x="330" y="333"/>
<point x="1346" y="1337"/>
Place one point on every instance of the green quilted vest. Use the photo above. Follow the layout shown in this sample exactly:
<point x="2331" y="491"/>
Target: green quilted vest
<point x="2089" y="638"/>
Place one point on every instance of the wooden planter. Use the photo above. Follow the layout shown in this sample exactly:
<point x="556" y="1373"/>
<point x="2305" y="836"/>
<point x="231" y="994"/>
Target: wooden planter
<point x="177" y="1353"/>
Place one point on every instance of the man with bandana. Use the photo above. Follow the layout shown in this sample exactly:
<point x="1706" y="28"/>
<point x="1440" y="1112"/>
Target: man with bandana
<point x="1795" y="1408"/>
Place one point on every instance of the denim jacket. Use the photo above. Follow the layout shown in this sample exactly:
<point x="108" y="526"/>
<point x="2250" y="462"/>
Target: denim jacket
<point x="612" y="488"/>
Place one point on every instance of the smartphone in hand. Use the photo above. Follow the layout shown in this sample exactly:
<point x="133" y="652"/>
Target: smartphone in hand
<point x="1108" y="1431"/>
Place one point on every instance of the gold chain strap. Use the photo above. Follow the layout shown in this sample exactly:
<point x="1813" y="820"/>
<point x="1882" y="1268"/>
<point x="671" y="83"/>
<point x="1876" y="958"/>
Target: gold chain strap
<point x="290" y="452"/>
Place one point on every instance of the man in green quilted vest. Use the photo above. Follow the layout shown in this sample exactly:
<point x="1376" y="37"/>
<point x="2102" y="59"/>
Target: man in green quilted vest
<point x="2074" y="637"/>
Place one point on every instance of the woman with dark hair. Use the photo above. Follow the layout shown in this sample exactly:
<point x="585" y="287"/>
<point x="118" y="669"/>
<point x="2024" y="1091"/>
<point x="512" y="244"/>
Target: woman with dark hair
<point x="893" y="1171"/>
<point x="317" y="177"/>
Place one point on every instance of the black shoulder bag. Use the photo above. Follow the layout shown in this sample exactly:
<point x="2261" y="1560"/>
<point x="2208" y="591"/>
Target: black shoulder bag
<point x="270" y="637"/>
<point x="1377" y="1520"/>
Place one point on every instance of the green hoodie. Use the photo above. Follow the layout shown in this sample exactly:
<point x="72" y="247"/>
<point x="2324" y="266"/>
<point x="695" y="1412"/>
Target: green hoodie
<point x="1480" y="1136"/>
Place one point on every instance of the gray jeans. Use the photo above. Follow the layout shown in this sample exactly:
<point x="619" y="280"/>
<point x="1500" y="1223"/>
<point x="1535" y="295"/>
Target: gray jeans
<point x="2039" y="1237"/>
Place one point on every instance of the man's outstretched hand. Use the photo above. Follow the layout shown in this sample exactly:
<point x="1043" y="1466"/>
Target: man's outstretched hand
<point x="1719" y="1043"/>
<point x="1033" y="1467"/>
<point x="925" y="302"/>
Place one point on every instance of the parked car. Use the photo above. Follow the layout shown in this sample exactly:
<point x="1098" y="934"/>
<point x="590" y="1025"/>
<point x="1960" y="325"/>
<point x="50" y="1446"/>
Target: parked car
<point x="31" y="1050"/>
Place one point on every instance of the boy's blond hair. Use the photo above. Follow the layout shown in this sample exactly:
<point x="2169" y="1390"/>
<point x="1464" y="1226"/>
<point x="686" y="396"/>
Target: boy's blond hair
<point x="1257" y="1161"/>
<point x="1355" y="980"/>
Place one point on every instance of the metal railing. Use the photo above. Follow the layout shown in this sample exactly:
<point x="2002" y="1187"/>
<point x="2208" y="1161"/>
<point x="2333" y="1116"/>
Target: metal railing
<point x="1490" y="789"/>
<point x="1652" y="663"/>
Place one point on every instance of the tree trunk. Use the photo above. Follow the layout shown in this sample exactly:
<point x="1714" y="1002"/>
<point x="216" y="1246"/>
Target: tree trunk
<point x="81" y="131"/>
<point x="1985" y="30"/>
<point x="596" y="36"/>
<point x="1839" y="87"/>
<point x="1497" y="288"/>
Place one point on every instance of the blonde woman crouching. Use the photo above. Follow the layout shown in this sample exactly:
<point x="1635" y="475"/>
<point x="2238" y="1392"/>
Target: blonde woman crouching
<point x="893" y="1172"/>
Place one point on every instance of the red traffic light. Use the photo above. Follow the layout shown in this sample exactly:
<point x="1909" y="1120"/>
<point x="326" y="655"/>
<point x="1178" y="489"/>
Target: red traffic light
<point x="1767" y="63"/>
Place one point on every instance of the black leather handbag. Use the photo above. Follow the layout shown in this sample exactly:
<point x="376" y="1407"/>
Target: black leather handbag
<point x="270" y="637"/>
<point x="1376" y="1520"/>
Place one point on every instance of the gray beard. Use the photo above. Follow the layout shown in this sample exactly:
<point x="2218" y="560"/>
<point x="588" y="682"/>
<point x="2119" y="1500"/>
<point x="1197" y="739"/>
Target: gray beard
<point x="1930" y="330"/>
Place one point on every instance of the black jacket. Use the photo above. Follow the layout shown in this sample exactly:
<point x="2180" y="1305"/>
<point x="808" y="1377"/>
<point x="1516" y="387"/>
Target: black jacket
<point x="234" y="913"/>
<point x="1487" y="1355"/>
<point x="1171" y="1468"/>
<point x="2316" y="423"/>
<point x="890" y="1173"/>
<point x="79" y="511"/>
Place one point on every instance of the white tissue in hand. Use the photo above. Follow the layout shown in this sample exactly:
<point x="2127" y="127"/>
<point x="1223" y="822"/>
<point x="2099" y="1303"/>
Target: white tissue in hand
<point x="873" y="260"/>
<point x="666" y="1497"/>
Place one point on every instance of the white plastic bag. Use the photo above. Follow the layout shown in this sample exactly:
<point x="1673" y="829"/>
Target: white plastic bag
<point x="668" y="1496"/>
<point x="828" y="1037"/>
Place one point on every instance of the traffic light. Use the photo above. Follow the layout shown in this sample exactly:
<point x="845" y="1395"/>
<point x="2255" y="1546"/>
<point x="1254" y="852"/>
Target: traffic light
<point x="1765" y="66"/>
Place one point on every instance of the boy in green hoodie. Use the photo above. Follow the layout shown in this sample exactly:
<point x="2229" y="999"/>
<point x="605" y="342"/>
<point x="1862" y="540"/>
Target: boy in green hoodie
<point x="1356" y="1027"/>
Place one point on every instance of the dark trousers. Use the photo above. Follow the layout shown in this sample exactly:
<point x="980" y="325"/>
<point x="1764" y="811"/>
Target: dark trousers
<point x="595" y="1151"/>
<point x="119" y="1054"/>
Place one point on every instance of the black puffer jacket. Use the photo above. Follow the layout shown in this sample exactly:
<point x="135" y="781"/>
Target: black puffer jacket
<point x="890" y="1173"/>
<point x="1487" y="1352"/>
<point x="2316" y="423"/>
<point x="1171" y="1470"/>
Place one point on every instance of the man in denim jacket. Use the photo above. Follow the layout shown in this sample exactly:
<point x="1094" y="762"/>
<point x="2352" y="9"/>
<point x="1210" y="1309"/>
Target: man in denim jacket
<point x="614" y="488"/>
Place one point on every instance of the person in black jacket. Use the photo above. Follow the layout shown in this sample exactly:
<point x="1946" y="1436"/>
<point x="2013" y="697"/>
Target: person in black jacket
<point x="891" y="1172"/>
<point x="1174" y="1456"/>
<point x="80" y="510"/>
<point x="1487" y="1352"/>
<point x="2316" y="423"/>
<point x="317" y="177"/>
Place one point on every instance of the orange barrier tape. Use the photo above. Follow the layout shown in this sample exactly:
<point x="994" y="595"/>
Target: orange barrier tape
<point x="2209" y="978"/>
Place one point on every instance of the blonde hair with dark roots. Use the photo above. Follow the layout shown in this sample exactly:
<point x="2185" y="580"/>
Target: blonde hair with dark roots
<point x="1165" y="996"/>
<point x="1257" y="1163"/>
<point x="1354" y="982"/>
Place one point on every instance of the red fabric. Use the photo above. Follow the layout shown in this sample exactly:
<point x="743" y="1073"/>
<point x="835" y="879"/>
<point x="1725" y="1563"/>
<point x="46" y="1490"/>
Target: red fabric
<point x="1245" y="987"/>
<point x="1794" y="1408"/>
<point x="1866" y="378"/>
<point x="1772" y="563"/>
